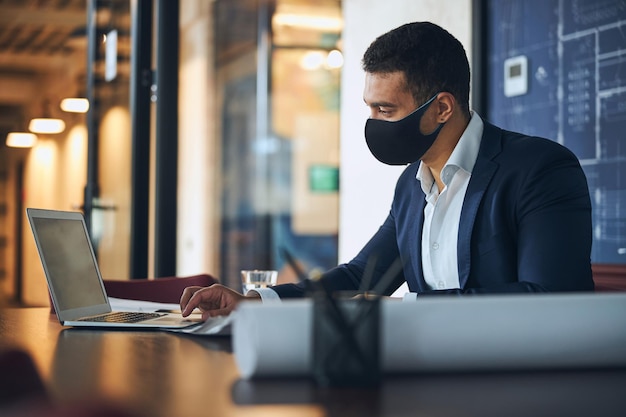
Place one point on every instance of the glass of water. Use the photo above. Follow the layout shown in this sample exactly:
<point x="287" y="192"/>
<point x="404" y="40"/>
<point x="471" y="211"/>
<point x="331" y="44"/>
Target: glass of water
<point x="255" y="278"/>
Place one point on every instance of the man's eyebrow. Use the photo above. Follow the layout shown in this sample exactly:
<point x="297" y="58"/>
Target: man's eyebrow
<point x="381" y="104"/>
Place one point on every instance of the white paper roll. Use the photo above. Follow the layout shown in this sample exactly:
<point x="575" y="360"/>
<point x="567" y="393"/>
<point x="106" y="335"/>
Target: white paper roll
<point x="473" y="333"/>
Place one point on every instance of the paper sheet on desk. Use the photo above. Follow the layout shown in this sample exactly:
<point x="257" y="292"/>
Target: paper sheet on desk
<point x="477" y="333"/>
<point x="214" y="326"/>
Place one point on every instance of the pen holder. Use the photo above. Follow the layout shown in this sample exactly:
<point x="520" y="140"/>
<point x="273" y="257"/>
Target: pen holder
<point x="346" y="341"/>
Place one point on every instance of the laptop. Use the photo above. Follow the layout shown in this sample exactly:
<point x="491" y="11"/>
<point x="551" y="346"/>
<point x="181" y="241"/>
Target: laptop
<point x="76" y="287"/>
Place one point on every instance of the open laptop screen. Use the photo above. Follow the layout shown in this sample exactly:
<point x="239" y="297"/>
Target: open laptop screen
<point x="66" y="252"/>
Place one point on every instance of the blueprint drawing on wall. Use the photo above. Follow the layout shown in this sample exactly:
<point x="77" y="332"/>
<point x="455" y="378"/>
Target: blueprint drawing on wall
<point x="557" y="69"/>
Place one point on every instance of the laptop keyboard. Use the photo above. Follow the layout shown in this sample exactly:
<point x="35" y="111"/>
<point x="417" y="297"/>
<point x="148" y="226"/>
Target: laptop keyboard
<point x="122" y="317"/>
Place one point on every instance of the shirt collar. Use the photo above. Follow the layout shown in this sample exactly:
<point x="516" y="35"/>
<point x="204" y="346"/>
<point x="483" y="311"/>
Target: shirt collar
<point x="466" y="151"/>
<point x="463" y="156"/>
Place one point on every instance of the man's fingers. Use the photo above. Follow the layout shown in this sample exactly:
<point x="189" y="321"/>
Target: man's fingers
<point x="205" y="298"/>
<point x="186" y="295"/>
<point x="215" y="300"/>
<point x="196" y="297"/>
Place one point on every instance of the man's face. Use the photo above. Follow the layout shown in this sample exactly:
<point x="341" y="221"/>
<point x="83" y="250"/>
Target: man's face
<point x="388" y="96"/>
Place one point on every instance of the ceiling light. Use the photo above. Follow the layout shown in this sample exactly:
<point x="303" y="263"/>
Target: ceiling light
<point x="75" y="105"/>
<point x="46" y="125"/>
<point x="323" y="23"/>
<point x="312" y="60"/>
<point x="21" y="140"/>
<point x="334" y="59"/>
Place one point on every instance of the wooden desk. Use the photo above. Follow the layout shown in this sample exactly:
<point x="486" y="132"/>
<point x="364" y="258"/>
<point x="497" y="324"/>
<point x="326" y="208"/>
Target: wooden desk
<point x="150" y="373"/>
<point x="161" y="374"/>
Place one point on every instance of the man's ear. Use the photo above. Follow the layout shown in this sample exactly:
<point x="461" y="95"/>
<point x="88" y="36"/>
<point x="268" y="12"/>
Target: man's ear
<point x="446" y="105"/>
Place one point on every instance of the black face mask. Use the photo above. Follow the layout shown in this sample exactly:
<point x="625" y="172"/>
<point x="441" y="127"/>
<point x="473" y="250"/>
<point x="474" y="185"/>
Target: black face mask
<point x="400" y="142"/>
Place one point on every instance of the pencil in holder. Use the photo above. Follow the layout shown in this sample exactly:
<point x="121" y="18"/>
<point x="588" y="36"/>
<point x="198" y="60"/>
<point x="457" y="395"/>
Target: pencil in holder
<point x="346" y="341"/>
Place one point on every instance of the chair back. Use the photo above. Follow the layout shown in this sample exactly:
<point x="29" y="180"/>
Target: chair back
<point x="159" y="290"/>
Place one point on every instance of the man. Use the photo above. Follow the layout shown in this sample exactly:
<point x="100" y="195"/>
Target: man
<point x="477" y="210"/>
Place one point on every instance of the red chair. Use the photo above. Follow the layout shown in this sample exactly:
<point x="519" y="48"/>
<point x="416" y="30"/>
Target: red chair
<point x="159" y="290"/>
<point x="609" y="278"/>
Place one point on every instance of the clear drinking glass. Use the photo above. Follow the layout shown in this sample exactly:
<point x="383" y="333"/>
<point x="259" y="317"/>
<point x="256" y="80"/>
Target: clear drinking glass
<point x="255" y="278"/>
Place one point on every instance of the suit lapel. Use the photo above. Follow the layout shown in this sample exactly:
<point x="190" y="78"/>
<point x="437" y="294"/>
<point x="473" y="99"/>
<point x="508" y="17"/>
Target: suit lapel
<point x="420" y="203"/>
<point x="483" y="172"/>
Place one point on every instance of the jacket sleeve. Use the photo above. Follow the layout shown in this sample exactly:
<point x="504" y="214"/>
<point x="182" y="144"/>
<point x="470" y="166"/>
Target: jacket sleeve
<point x="381" y="251"/>
<point x="543" y="209"/>
<point x="554" y="230"/>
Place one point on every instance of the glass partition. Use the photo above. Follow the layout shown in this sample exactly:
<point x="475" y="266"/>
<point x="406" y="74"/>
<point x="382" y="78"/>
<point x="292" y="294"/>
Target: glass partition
<point x="279" y="69"/>
<point x="109" y="213"/>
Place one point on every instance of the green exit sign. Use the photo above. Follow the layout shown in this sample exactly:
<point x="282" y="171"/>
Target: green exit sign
<point x="323" y="178"/>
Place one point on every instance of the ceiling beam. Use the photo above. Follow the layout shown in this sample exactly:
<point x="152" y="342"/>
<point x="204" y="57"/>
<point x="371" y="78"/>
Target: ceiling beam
<point x="42" y="16"/>
<point x="16" y="89"/>
<point x="12" y="61"/>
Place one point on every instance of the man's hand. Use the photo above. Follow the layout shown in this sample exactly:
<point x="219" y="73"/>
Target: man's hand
<point x="215" y="300"/>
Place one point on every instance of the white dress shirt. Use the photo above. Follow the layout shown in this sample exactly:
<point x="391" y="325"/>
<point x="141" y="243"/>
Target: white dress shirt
<point x="443" y="209"/>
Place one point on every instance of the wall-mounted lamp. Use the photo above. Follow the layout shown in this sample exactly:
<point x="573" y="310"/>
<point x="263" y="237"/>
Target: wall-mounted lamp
<point x="21" y="140"/>
<point x="75" y="105"/>
<point x="46" y="125"/>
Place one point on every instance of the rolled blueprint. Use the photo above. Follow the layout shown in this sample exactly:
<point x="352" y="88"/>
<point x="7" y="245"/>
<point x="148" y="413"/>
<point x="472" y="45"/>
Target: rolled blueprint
<point x="472" y="333"/>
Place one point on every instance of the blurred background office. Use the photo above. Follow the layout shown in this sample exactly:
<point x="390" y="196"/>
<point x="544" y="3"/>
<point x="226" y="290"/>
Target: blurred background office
<point x="214" y="133"/>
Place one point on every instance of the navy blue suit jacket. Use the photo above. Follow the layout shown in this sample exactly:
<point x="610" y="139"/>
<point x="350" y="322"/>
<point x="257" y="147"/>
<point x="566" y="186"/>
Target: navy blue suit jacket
<point x="525" y="225"/>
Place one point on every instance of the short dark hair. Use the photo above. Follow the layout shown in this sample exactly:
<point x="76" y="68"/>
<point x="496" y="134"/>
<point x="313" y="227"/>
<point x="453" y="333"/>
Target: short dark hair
<point x="431" y="58"/>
